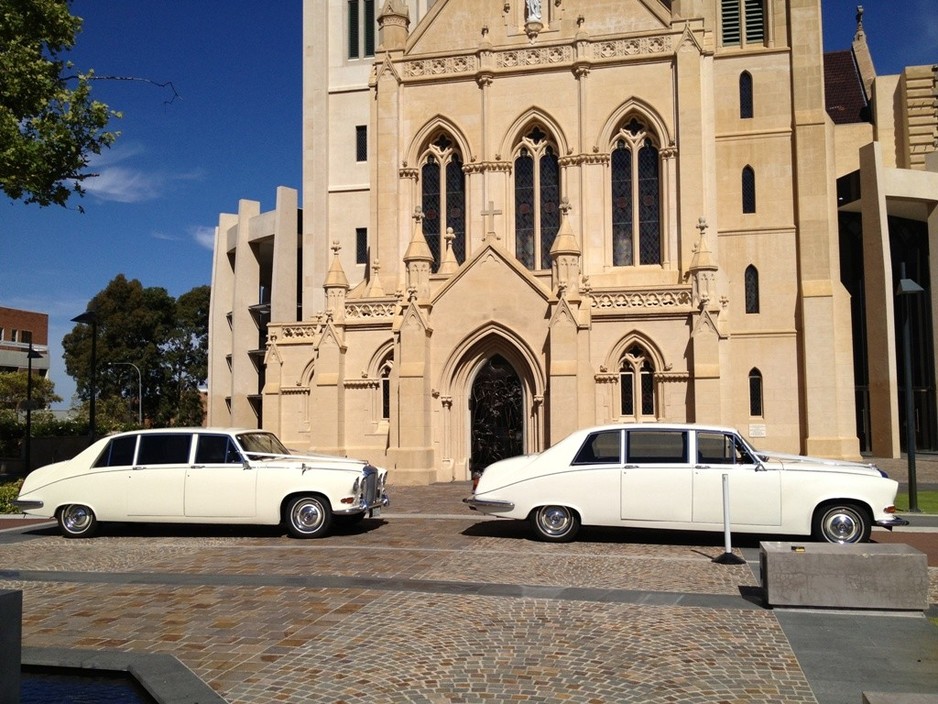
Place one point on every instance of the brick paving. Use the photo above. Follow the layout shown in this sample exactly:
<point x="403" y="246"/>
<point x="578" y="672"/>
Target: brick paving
<point x="428" y="604"/>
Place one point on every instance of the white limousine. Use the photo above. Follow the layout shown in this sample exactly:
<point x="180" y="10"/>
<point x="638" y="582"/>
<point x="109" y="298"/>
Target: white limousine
<point x="202" y="475"/>
<point x="671" y="476"/>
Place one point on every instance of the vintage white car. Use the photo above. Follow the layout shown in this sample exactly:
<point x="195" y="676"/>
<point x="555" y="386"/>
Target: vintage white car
<point x="671" y="476"/>
<point x="202" y="475"/>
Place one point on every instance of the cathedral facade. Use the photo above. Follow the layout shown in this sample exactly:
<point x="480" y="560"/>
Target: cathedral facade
<point x="519" y="218"/>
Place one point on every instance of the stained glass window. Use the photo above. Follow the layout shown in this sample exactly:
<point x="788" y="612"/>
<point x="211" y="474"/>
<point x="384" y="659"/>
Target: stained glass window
<point x="745" y="95"/>
<point x="636" y="400"/>
<point x="636" y="196"/>
<point x="749" y="190"/>
<point x="755" y="393"/>
<point x="752" y="289"/>
<point x="537" y="199"/>
<point x="443" y="198"/>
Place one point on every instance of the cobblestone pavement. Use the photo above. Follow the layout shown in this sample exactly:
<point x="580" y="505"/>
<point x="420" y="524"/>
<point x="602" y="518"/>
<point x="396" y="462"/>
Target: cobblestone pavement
<point x="427" y="604"/>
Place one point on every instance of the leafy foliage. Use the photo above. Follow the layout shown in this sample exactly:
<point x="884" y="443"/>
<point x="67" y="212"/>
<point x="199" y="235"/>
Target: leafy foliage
<point x="8" y="492"/>
<point x="49" y="124"/>
<point x="166" y="339"/>
<point x="14" y="391"/>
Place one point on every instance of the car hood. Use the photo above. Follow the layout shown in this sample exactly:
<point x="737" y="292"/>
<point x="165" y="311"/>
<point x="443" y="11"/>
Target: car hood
<point x="781" y="460"/>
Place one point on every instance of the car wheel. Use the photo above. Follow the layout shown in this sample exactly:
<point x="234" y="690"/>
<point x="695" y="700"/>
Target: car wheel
<point x="842" y="523"/>
<point x="76" y="521"/>
<point x="556" y="524"/>
<point x="308" y="517"/>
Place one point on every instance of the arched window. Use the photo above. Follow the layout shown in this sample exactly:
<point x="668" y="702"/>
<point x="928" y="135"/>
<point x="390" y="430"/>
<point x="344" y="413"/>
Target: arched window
<point x="636" y="384"/>
<point x="755" y="393"/>
<point x="537" y="198"/>
<point x="745" y="95"/>
<point x="749" y="190"/>
<point x="443" y="196"/>
<point x="384" y="376"/>
<point x="752" y="289"/>
<point x="636" y="196"/>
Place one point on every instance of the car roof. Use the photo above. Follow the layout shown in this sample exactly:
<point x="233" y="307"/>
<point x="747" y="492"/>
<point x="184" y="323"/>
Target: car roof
<point x="660" y="426"/>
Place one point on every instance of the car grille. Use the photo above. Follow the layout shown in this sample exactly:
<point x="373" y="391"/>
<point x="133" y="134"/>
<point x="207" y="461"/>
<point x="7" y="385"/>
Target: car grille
<point x="369" y="485"/>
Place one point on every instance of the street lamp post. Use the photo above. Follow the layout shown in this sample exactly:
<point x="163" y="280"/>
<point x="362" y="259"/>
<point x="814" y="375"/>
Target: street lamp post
<point x="906" y="288"/>
<point x="139" y="389"/>
<point x="89" y="317"/>
<point x="30" y="356"/>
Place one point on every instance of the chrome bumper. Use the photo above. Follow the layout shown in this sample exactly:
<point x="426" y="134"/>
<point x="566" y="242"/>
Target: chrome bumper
<point x="893" y="522"/>
<point x="489" y="505"/>
<point x="380" y="502"/>
<point x="25" y="505"/>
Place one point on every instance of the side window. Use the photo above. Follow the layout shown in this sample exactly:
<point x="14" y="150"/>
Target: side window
<point x="169" y="448"/>
<point x="657" y="447"/>
<point x="118" y="453"/>
<point x="600" y="448"/>
<point x="715" y="448"/>
<point x="216" y="449"/>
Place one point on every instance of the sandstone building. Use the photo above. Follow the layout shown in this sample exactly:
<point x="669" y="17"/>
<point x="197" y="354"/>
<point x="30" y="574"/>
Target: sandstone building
<point x="521" y="217"/>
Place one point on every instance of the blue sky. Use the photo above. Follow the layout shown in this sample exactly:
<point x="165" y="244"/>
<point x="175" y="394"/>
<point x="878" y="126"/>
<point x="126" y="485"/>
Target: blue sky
<point x="234" y="132"/>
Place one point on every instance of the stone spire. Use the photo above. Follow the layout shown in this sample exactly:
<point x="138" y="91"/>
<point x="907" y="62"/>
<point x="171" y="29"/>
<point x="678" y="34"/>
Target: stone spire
<point x="418" y="260"/>
<point x="336" y="285"/>
<point x="862" y="55"/>
<point x="393" y="25"/>
<point x="565" y="253"/>
<point x="449" y="265"/>
<point x="703" y="269"/>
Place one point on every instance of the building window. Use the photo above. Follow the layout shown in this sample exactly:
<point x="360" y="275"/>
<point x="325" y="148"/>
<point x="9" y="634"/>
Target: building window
<point x="749" y="190"/>
<point x="14" y="335"/>
<point x="361" y="28"/>
<point x="361" y="245"/>
<point x="361" y="143"/>
<point x="742" y="22"/>
<point x="636" y="196"/>
<point x="752" y="289"/>
<point x="745" y="95"/>
<point x="443" y="197"/>
<point x="755" y="393"/>
<point x="636" y="384"/>
<point x="537" y="198"/>
<point x="385" y="382"/>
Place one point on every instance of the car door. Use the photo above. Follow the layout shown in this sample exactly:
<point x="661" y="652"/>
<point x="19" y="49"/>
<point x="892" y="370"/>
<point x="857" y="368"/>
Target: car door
<point x="657" y="481"/>
<point x="156" y="482"/>
<point x="754" y="490"/>
<point x="219" y="484"/>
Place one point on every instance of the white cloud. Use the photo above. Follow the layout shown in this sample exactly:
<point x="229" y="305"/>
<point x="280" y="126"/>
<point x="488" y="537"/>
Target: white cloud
<point x="204" y="236"/>
<point x="124" y="185"/>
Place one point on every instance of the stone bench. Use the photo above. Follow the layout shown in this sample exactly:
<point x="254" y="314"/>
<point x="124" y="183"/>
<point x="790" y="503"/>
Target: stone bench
<point x="864" y="576"/>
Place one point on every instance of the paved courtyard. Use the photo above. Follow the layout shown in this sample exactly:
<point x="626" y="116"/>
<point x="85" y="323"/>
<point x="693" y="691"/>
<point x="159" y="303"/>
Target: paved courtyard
<point x="433" y="604"/>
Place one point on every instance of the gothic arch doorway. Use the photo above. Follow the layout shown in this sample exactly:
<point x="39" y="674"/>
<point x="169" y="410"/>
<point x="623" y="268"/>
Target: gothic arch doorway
<point x="496" y="410"/>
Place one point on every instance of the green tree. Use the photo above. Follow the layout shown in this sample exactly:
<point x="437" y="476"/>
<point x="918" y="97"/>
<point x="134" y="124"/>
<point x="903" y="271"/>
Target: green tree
<point x="165" y="338"/>
<point x="13" y="391"/>
<point x="49" y="124"/>
<point x="185" y="356"/>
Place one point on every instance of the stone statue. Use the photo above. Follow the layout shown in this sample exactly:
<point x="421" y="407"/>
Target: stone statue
<point x="534" y="10"/>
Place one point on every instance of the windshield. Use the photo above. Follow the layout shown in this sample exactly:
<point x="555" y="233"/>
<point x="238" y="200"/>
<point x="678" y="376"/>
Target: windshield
<point x="261" y="444"/>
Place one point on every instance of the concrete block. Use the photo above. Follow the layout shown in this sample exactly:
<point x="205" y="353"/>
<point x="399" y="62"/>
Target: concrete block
<point x="898" y="698"/>
<point x="864" y="576"/>
<point x="11" y="638"/>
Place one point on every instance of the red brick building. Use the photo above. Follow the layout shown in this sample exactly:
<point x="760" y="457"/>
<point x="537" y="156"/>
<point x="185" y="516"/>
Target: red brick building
<point x="19" y="329"/>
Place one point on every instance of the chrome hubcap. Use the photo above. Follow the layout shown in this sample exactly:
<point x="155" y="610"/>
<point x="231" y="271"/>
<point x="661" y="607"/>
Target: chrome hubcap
<point x="77" y="518"/>
<point x="842" y="526"/>
<point x="307" y="516"/>
<point x="555" y="520"/>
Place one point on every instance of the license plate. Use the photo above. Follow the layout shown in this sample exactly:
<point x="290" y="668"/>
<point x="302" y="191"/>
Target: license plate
<point x="375" y="512"/>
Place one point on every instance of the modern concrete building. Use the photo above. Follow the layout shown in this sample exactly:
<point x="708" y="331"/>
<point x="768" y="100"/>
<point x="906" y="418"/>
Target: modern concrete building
<point x="523" y="217"/>
<point x="21" y="330"/>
